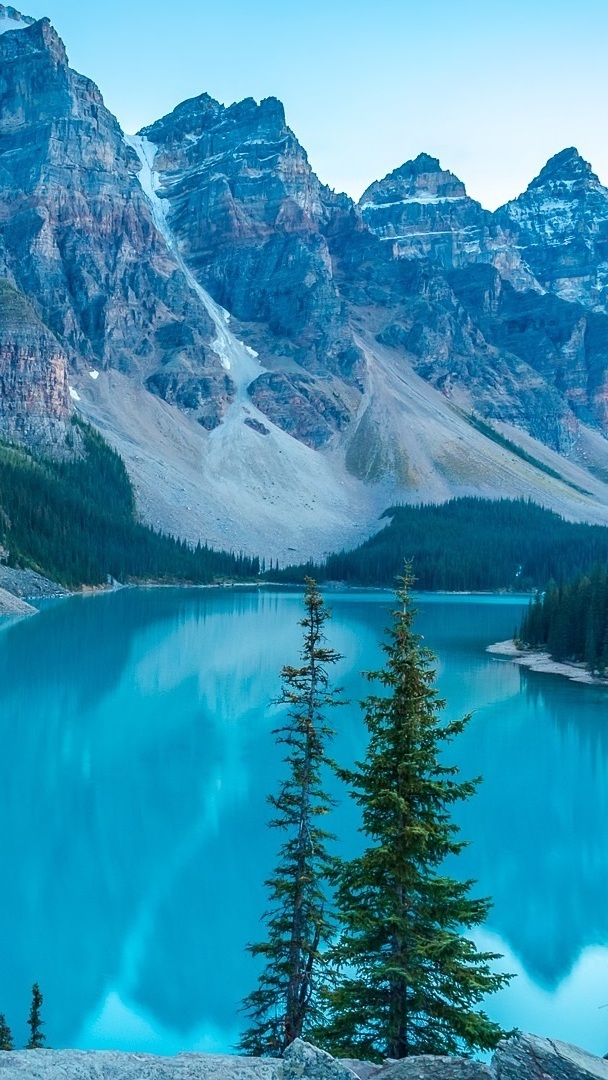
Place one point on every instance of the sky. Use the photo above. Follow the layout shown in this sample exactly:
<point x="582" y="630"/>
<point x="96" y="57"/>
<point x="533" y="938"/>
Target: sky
<point x="493" y="89"/>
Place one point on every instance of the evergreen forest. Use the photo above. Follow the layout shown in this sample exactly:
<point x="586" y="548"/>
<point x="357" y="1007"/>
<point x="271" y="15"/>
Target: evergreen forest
<point x="75" y="521"/>
<point x="466" y="544"/>
<point x="570" y="621"/>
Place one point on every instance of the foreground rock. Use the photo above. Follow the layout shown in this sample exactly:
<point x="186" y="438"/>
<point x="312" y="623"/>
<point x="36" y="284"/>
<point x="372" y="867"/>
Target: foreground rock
<point x="529" y="1056"/>
<point x="520" y="1058"/>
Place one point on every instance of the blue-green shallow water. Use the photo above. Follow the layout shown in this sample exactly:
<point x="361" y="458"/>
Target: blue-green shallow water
<point x="136" y="758"/>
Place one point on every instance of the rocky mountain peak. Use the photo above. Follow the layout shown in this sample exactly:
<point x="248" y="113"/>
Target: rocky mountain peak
<point x="188" y="121"/>
<point x="11" y="19"/>
<point x="34" y="37"/>
<point x="424" y="212"/>
<point x="560" y="227"/>
<point x="565" y="168"/>
<point x="419" y="180"/>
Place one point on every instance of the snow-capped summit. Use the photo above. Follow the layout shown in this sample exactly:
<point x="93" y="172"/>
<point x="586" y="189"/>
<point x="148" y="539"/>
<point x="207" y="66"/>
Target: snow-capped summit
<point x="11" y="19"/>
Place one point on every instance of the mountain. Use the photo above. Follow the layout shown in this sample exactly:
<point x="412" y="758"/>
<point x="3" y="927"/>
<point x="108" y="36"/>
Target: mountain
<point x="274" y="363"/>
<point x="247" y="212"/>
<point x="560" y="225"/>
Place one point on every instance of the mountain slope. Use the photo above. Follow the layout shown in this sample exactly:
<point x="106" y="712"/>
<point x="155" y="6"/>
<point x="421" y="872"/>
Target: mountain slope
<point x="275" y="364"/>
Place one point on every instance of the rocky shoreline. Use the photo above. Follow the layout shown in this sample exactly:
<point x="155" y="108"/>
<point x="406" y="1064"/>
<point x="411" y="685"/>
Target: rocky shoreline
<point x="521" y="1057"/>
<point x="542" y="661"/>
<point x="19" y="586"/>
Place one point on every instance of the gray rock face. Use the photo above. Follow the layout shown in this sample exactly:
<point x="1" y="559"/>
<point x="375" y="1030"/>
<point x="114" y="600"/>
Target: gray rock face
<point x="35" y="407"/>
<point x="78" y="232"/>
<point x="421" y="211"/>
<point x="560" y="225"/>
<point x="528" y="1057"/>
<point x="553" y="237"/>
<point x="249" y="213"/>
<point x="483" y="344"/>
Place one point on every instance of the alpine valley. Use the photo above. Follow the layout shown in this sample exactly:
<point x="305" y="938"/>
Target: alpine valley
<point x="276" y="364"/>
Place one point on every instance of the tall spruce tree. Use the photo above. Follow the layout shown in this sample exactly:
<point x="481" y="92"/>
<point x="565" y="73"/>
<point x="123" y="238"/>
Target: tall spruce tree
<point x="285" y="1003"/>
<point x="408" y="978"/>
<point x="35" y="1022"/>
<point x="6" y="1037"/>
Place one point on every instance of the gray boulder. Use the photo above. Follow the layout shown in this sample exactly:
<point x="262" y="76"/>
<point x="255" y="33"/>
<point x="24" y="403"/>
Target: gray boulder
<point x="436" y="1068"/>
<point x="302" y="1061"/>
<point x="112" y="1065"/>
<point x="363" y="1069"/>
<point x="528" y="1056"/>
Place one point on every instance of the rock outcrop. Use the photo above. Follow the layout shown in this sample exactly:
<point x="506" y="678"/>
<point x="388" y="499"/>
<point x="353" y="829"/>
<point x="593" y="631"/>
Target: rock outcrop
<point x="560" y="226"/>
<point x="524" y="1057"/>
<point x="423" y="211"/>
<point x="35" y="405"/>
<point x="248" y="213"/>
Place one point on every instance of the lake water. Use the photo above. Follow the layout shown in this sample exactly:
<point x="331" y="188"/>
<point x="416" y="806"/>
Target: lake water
<point x="136" y="759"/>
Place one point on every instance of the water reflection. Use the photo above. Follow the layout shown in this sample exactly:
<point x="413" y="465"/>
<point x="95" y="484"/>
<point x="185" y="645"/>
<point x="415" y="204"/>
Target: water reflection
<point x="136" y="765"/>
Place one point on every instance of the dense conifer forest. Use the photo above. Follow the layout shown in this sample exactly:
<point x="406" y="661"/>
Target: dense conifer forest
<point x="467" y="544"/>
<point x="570" y="621"/>
<point x="75" y="522"/>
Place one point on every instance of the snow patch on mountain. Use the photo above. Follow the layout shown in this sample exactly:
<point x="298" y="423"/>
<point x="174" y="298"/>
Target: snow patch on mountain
<point x="234" y="355"/>
<point x="11" y="19"/>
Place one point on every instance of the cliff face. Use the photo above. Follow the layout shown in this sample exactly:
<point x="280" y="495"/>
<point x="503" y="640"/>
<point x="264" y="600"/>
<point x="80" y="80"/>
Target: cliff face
<point x="248" y="213"/>
<point x="560" y="225"/>
<point x="78" y="231"/>
<point x="35" y="407"/>
<point x="422" y="211"/>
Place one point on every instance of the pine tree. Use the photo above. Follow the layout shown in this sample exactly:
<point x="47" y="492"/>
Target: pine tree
<point x="35" y="1022"/>
<point x="6" y="1038"/>
<point x="408" y="978"/>
<point x="284" y="1004"/>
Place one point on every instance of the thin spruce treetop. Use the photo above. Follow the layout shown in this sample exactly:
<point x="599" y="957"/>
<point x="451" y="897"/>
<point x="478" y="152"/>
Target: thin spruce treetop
<point x="35" y="1022"/>
<point x="6" y="1038"/>
<point x="408" y="978"/>
<point x="284" y="1005"/>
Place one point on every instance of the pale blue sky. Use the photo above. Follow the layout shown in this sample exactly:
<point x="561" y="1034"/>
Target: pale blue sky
<point x="492" y="89"/>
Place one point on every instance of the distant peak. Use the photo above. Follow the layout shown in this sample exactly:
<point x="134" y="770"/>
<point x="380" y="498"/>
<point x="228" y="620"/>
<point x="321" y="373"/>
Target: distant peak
<point x="424" y="163"/>
<point x="420" y="179"/>
<point x="270" y="110"/>
<point x="11" y="19"/>
<point x="190" y="117"/>
<point x="39" y="35"/>
<point x="567" y="166"/>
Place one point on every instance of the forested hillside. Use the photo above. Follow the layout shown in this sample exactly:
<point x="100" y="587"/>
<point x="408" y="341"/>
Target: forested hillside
<point x="571" y="621"/>
<point x="75" y="522"/>
<point x="467" y="544"/>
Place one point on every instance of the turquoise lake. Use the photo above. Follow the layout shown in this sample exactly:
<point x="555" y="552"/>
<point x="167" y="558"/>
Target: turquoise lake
<point x="136" y="761"/>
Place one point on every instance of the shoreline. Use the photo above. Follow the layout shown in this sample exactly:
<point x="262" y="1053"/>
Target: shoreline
<point x="542" y="662"/>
